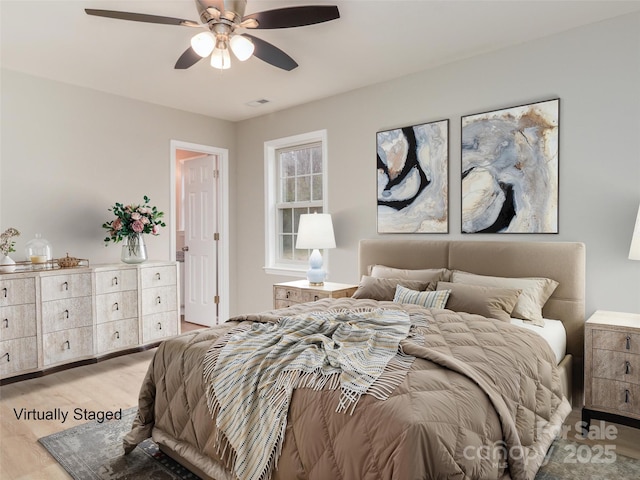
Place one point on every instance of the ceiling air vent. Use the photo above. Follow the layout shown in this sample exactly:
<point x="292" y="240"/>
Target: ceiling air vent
<point x="258" y="103"/>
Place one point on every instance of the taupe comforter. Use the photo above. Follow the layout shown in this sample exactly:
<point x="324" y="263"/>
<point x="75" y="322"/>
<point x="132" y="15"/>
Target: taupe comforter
<point x="482" y="400"/>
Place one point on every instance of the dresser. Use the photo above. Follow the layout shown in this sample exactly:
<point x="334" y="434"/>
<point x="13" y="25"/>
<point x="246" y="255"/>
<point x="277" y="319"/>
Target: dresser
<point x="612" y="368"/>
<point x="287" y="294"/>
<point x="53" y="318"/>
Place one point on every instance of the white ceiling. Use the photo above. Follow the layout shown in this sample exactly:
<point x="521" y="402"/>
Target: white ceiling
<point x="373" y="41"/>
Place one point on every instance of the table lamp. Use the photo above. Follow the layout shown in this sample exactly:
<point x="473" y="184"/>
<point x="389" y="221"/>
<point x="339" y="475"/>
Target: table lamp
<point x="634" y="250"/>
<point x="315" y="231"/>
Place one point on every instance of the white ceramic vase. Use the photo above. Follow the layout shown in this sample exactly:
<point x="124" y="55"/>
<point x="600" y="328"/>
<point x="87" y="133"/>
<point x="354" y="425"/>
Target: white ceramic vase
<point x="7" y="264"/>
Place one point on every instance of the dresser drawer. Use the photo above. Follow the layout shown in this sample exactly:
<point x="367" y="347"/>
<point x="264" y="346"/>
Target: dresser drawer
<point x="63" y="314"/>
<point x="614" y="365"/>
<point x="616" y="340"/>
<point x="614" y="395"/>
<point x="17" y="291"/>
<point x="117" y="335"/>
<point x="160" y="299"/>
<point x="18" y="355"/>
<point x="55" y="287"/>
<point x="116" y="306"/>
<point x="17" y="321"/>
<point x="159" y="325"/>
<point x="67" y="345"/>
<point x="282" y="304"/>
<point x="158" y="276"/>
<point x="116" y="281"/>
<point x="291" y="295"/>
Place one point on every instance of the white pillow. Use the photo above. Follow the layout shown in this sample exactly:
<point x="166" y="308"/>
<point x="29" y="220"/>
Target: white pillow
<point x="535" y="292"/>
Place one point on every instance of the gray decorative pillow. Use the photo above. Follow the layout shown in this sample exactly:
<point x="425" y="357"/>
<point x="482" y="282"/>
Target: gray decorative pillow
<point x="423" y="275"/>
<point x="535" y="292"/>
<point x="489" y="302"/>
<point x="430" y="299"/>
<point x="385" y="288"/>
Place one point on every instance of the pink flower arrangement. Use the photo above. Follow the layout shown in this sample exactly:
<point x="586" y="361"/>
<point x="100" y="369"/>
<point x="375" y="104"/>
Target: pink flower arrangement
<point x="133" y="219"/>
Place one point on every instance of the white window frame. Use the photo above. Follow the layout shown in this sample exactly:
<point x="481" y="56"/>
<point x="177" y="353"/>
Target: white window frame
<point x="271" y="198"/>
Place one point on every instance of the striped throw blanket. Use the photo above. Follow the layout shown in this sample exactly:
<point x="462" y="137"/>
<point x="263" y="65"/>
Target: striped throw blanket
<point x="251" y="374"/>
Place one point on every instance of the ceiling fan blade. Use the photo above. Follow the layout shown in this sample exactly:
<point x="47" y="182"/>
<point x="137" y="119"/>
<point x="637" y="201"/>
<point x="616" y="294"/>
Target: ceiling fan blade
<point x="141" y="17"/>
<point x="271" y="54"/>
<point x="294" y="16"/>
<point x="187" y="59"/>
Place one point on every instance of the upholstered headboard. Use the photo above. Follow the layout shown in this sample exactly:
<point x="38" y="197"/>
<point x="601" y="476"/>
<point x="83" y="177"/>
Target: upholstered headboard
<point x="563" y="262"/>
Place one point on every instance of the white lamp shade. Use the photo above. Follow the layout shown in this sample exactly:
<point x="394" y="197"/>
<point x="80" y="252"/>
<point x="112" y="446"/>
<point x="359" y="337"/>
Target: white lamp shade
<point x="634" y="251"/>
<point x="241" y="47"/>
<point x="203" y="43"/>
<point x="315" y="231"/>
<point x="220" y="59"/>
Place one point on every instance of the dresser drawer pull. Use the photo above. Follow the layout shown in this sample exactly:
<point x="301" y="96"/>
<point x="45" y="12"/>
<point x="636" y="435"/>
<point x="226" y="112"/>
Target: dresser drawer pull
<point x="286" y="296"/>
<point x="67" y="344"/>
<point x="626" y="396"/>
<point x="316" y="298"/>
<point x="7" y="355"/>
<point x="117" y="334"/>
<point x="114" y="281"/>
<point x="158" y="300"/>
<point x="116" y="306"/>
<point x="66" y="313"/>
<point x="6" y="323"/>
<point x="627" y="367"/>
<point x="159" y="326"/>
<point x="66" y="285"/>
<point x="4" y="292"/>
<point x="628" y="342"/>
<point x="158" y="276"/>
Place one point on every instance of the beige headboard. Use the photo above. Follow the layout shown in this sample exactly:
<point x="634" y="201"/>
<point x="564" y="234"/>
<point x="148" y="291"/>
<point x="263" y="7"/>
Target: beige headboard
<point x="564" y="262"/>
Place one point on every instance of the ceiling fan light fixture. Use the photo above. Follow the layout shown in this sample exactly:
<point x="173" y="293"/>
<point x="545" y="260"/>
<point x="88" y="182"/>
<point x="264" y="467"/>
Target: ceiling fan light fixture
<point x="220" y="58"/>
<point x="203" y="43"/>
<point x="241" y="47"/>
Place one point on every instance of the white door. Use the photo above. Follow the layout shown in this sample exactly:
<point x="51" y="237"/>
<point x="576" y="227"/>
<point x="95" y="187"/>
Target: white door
<point x="200" y="187"/>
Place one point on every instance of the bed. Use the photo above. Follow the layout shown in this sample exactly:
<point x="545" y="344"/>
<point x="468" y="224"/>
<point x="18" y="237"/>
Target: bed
<point x="477" y="396"/>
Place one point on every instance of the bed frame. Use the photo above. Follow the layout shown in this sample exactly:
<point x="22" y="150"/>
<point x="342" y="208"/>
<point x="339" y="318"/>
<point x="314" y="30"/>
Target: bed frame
<point x="564" y="262"/>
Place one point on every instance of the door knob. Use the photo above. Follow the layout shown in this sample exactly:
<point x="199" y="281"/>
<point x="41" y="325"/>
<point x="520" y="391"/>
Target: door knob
<point x="185" y="248"/>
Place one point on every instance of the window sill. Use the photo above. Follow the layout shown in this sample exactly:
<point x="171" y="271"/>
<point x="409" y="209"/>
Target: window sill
<point x="289" y="270"/>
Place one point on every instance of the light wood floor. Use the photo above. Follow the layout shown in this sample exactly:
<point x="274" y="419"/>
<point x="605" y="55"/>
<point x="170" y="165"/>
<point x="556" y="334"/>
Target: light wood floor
<point x="113" y="384"/>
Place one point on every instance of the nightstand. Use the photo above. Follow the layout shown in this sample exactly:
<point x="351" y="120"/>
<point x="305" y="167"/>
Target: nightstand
<point x="612" y="368"/>
<point x="290" y="293"/>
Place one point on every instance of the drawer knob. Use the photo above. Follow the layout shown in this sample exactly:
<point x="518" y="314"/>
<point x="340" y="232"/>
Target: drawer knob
<point x="628" y="342"/>
<point x="116" y="306"/>
<point x="4" y="292"/>
<point x="66" y="313"/>
<point x="67" y="344"/>
<point x="158" y="276"/>
<point x="6" y="323"/>
<point x="627" y="367"/>
<point x="7" y="355"/>
<point x="65" y="285"/>
<point x="627" y="396"/>
<point x="114" y="281"/>
<point x="286" y="296"/>
<point x="158" y="300"/>
<point x="159" y="326"/>
<point x="117" y="334"/>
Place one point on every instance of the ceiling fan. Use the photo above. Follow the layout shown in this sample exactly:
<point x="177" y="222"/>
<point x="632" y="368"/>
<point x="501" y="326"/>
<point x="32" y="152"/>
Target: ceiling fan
<point x="221" y="18"/>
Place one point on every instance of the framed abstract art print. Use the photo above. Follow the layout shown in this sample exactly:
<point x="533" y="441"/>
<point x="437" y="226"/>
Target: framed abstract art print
<point x="510" y="169"/>
<point x="412" y="179"/>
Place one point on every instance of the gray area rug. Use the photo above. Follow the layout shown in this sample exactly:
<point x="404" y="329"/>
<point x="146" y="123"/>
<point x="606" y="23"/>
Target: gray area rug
<point x="93" y="451"/>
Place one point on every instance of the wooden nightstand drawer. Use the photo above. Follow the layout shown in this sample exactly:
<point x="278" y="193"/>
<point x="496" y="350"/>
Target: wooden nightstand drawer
<point x="618" y="341"/>
<point x="289" y="294"/>
<point x="613" y="395"/>
<point x="612" y="365"/>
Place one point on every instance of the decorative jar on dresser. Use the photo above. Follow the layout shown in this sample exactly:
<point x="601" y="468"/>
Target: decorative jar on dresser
<point x="612" y="368"/>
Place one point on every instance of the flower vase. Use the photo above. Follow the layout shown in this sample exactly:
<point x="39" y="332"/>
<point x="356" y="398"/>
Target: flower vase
<point x="7" y="264"/>
<point x="133" y="249"/>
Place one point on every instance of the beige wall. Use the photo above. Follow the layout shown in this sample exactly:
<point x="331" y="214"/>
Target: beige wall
<point x="68" y="153"/>
<point x="594" y="70"/>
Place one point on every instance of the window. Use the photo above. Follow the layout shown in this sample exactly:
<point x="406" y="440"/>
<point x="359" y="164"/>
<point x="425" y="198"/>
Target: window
<point x="296" y="184"/>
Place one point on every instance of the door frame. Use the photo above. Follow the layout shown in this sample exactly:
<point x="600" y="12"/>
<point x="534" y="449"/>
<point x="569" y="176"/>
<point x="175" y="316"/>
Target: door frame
<point x="222" y="205"/>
